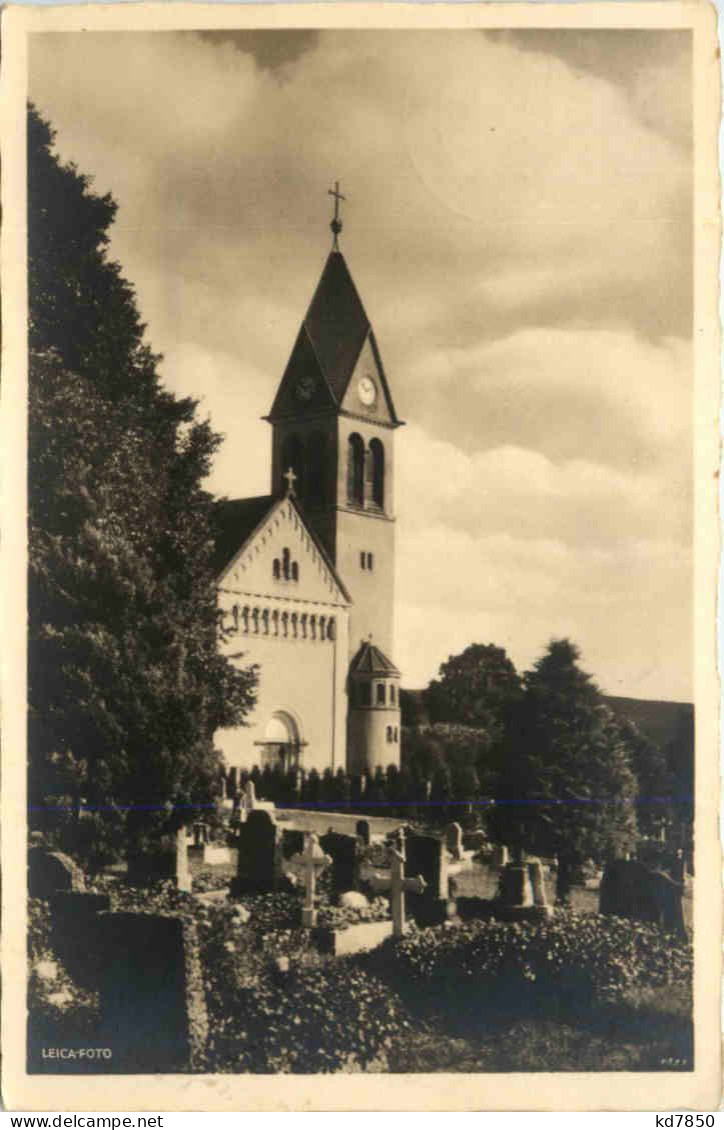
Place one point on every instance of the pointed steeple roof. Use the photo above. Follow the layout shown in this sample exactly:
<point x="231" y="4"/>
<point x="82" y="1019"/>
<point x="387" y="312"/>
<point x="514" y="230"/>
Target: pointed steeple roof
<point x="330" y="341"/>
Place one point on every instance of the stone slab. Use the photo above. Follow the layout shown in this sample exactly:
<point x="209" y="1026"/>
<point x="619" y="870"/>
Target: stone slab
<point x="211" y="898"/>
<point x="353" y="939"/>
<point x="345" y="822"/>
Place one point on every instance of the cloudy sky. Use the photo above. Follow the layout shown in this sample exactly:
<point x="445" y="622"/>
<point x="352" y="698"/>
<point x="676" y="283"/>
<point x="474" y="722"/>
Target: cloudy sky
<point x="518" y="225"/>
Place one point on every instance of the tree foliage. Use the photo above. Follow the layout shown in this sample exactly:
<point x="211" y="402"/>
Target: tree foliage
<point x="568" y="788"/>
<point x="475" y="688"/>
<point x="126" y="681"/>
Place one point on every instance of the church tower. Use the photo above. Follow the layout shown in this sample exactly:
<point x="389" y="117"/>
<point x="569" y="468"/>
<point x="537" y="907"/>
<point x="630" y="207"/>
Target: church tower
<point x="334" y="423"/>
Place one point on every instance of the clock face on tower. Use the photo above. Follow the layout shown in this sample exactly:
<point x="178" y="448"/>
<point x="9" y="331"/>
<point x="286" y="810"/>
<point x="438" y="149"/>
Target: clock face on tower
<point x="367" y="391"/>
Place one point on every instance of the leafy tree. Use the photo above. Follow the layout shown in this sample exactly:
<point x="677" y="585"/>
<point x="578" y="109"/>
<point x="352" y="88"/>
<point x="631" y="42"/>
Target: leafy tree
<point x="126" y="681"/>
<point x="569" y="787"/>
<point x="475" y="688"/>
<point x="655" y="784"/>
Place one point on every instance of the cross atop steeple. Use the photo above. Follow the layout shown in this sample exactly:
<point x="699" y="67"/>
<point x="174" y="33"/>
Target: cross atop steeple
<point x="336" y="224"/>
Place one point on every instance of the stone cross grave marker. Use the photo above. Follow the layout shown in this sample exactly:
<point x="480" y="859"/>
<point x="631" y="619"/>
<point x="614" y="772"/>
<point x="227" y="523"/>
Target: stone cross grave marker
<point x="454" y="840"/>
<point x="310" y="864"/>
<point x="397" y="885"/>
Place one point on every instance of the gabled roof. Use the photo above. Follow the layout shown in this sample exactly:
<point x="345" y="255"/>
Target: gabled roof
<point x="369" y="660"/>
<point x="331" y="339"/>
<point x="234" y="521"/>
<point x="238" y="520"/>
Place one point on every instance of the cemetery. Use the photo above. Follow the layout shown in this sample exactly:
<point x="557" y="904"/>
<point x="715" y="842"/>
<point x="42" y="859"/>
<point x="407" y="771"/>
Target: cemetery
<point x="283" y="940"/>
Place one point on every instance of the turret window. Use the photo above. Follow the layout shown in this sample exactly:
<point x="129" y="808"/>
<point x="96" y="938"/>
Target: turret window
<point x="365" y="694"/>
<point x="381" y="697"/>
<point x="367" y="561"/>
<point x="393" y="693"/>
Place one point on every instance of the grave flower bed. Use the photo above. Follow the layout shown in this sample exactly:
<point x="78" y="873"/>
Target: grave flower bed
<point x="588" y="957"/>
<point x="339" y="917"/>
<point x="331" y="1017"/>
<point x="56" y="1005"/>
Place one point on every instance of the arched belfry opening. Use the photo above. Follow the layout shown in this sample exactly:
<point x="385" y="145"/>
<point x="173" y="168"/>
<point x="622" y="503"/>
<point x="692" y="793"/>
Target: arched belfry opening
<point x="377" y="473"/>
<point x="356" y="470"/>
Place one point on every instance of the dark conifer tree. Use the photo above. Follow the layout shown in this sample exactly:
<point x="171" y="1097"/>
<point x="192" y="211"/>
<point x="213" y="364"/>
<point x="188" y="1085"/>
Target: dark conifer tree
<point x="569" y="787"/>
<point x="126" y="682"/>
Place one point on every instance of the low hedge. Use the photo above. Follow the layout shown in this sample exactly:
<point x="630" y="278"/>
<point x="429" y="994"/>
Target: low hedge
<point x="591" y="955"/>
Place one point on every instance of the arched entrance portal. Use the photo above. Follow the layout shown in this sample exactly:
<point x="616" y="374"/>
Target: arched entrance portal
<point x="282" y="745"/>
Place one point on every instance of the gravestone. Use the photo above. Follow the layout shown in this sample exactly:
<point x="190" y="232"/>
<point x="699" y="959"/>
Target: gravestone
<point x="182" y="876"/>
<point x="259" y="865"/>
<point x="516" y="892"/>
<point x="292" y="842"/>
<point x="51" y="871"/>
<point x="201" y="833"/>
<point x="345" y="852"/>
<point x="167" y="861"/>
<point x="427" y="856"/>
<point x="363" y="831"/>
<point x="632" y="890"/>
<point x="454" y="840"/>
<point x="152" y="1002"/>
<point x="74" y="919"/>
<point x="538" y="887"/>
<point x="474" y="840"/>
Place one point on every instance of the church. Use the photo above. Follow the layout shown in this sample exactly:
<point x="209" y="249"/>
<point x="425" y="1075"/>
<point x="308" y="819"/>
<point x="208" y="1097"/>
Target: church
<point x="306" y="573"/>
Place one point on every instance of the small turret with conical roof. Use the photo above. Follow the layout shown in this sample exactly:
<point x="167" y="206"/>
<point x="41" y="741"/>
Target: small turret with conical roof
<point x="373" y="728"/>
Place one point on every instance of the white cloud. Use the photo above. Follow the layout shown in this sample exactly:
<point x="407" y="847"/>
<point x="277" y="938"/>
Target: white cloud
<point x="518" y="228"/>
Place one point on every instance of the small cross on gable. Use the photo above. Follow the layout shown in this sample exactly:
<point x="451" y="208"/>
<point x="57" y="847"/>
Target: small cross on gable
<point x="291" y="479"/>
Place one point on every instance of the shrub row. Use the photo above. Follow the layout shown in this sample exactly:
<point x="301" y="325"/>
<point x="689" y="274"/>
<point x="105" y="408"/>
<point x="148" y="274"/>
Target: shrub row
<point x="586" y="956"/>
<point x="394" y="792"/>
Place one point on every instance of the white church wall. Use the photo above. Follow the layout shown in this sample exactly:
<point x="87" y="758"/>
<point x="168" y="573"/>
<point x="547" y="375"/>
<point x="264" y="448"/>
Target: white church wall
<point x="301" y="649"/>
<point x="254" y="571"/>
